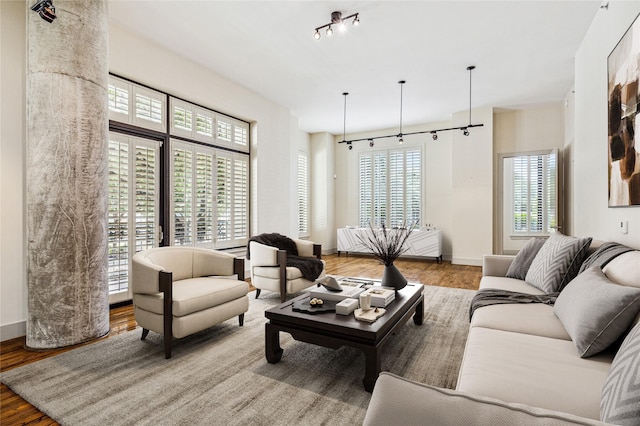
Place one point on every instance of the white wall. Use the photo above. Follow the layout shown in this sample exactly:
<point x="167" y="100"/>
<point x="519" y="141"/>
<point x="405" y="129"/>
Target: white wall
<point x="591" y="214"/>
<point x="13" y="287"/>
<point x="322" y="202"/>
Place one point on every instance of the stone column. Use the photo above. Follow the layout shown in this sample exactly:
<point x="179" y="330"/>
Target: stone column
<point x="67" y="142"/>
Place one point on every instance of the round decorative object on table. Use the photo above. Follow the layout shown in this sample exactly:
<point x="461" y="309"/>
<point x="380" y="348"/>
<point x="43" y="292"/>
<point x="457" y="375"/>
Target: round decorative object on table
<point x="304" y="306"/>
<point x="392" y="277"/>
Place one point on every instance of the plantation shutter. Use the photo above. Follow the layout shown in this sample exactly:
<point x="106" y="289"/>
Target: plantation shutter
<point x="204" y="198"/>
<point x="137" y="105"/>
<point x="240" y="199"/>
<point x="534" y="194"/>
<point x="303" y="194"/>
<point x="379" y="189"/>
<point x="133" y="205"/>
<point x="182" y="194"/>
<point x="224" y="192"/>
<point x="396" y="188"/>
<point x="413" y="195"/>
<point x="365" y="194"/>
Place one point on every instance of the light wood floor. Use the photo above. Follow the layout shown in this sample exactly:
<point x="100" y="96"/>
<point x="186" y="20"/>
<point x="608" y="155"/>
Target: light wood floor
<point x="16" y="411"/>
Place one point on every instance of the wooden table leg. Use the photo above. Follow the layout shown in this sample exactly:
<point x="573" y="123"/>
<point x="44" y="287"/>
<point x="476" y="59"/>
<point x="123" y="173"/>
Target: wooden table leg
<point x="273" y="351"/>
<point x="373" y="366"/>
<point x="419" y="316"/>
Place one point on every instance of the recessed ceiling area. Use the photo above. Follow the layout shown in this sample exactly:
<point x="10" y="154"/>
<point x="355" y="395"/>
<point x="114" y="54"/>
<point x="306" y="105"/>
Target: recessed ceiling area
<point x="523" y="52"/>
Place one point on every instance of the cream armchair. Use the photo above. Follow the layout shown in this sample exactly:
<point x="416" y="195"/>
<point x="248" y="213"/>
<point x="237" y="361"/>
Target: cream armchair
<point x="178" y="291"/>
<point x="269" y="270"/>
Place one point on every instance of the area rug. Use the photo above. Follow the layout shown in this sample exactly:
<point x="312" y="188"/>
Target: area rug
<point x="221" y="376"/>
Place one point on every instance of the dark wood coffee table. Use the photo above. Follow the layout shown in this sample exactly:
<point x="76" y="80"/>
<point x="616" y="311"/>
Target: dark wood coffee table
<point x="333" y="331"/>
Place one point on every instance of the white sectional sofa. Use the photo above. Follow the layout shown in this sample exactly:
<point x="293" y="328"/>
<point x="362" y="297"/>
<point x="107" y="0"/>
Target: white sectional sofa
<point x="522" y="362"/>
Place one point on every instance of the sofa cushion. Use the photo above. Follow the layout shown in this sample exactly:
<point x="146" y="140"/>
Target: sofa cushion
<point x="557" y="262"/>
<point x="520" y="265"/>
<point x="533" y="318"/>
<point x="510" y="284"/>
<point x="397" y="401"/>
<point x="533" y="370"/>
<point x="620" y="402"/>
<point x="596" y="312"/>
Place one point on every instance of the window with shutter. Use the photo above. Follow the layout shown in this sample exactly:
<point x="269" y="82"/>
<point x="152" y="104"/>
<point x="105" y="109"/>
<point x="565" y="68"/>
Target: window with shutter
<point x="133" y="203"/>
<point x="365" y="193"/>
<point x="390" y="187"/>
<point x="182" y="197"/>
<point x="534" y="194"/>
<point x="303" y="194"/>
<point x="224" y="130"/>
<point x="214" y="210"/>
<point x="240" y="199"/>
<point x="223" y="196"/>
<point x="137" y="105"/>
<point x="241" y="136"/>
<point x="204" y="124"/>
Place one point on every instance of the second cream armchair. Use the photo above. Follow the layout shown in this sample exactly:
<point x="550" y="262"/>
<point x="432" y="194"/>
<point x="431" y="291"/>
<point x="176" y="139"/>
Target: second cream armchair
<point x="269" y="270"/>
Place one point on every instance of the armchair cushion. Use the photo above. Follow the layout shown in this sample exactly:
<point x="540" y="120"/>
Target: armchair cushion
<point x="194" y="294"/>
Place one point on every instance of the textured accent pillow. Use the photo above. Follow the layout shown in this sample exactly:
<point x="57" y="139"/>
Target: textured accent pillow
<point x="620" y="402"/>
<point x="557" y="262"/>
<point x="596" y="312"/>
<point x="520" y="265"/>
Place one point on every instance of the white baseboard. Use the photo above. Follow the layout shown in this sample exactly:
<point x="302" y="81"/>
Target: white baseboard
<point x="466" y="261"/>
<point x="11" y="331"/>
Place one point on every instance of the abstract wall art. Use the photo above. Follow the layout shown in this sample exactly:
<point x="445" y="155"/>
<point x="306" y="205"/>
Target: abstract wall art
<point x="623" y="67"/>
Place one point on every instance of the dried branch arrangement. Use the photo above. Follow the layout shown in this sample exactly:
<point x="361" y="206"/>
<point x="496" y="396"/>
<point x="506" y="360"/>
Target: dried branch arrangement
<point x="386" y="244"/>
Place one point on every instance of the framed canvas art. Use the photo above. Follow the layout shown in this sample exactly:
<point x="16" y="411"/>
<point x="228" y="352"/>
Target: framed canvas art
<point x="623" y="66"/>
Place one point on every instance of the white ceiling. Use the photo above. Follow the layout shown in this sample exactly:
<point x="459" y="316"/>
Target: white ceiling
<point x="523" y="52"/>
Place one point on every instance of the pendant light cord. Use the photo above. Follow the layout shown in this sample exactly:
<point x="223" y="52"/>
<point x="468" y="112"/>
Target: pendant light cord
<point x="401" y="84"/>
<point x="344" y="120"/>
<point x="470" y="68"/>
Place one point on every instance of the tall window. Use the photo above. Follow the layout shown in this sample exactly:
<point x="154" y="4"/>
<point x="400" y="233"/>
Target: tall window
<point x="303" y="194"/>
<point x="133" y="221"/>
<point x="534" y="194"/>
<point x="390" y="187"/>
<point x="210" y="193"/>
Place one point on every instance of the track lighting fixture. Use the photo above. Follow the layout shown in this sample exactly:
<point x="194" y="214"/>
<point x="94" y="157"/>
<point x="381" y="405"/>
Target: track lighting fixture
<point x="400" y="136"/>
<point x="45" y="9"/>
<point x="337" y="19"/>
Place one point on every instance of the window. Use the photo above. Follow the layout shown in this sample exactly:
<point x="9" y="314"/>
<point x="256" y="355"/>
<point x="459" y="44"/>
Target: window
<point x="133" y="104"/>
<point x="303" y="194"/>
<point x="133" y="220"/>
<point x="534" y="194"/>
<point x="209" y="186"/>
<point x="390" y="187"/>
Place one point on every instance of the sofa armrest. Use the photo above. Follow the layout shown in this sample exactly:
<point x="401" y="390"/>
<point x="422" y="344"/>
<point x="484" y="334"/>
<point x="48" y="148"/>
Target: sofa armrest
<point x="145" y="275"/>
<point x="396" y="400"/>
<point x="496" y="265"/>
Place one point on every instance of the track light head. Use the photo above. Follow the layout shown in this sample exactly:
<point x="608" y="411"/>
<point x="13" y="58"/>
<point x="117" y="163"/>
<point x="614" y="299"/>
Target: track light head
<point x="45" y="9"/>
<point x="356" y="20"/>
<point x="400" y="140"/>
<point x="371" y="143"/>
<point x="465" y="131"/>
<point x="434" y="136"/>
<point x="317" y="35"/>
<point x="329" y="31"/>
<point x="350" y="146"/>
